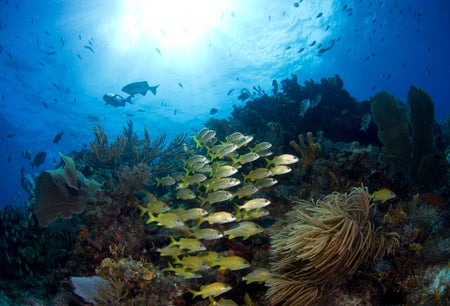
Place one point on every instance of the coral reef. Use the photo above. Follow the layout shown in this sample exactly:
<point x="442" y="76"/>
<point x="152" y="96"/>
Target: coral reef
<point x="321" y="244"/>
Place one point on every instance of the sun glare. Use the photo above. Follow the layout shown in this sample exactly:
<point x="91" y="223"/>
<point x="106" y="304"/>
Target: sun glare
<point x="168" y="23"/>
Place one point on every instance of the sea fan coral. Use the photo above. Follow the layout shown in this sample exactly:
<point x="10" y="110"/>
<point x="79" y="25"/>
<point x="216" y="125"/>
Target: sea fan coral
<point x="321" y="244"/>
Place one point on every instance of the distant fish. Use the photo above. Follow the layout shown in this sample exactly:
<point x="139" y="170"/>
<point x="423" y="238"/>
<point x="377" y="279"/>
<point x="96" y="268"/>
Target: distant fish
<point x="159" y="51"/>
<point x="319" y="15"/>
<point x="92" y="118"/>
<point x="9" y="159"/>
<point x="365" y="121"/>
<point x="139" y="88"/>
<point x="39" y="159"/>
<point x="312" y="44"/>
<point x="26" y="154"/>
<point x="300" y="50"/>
<point x="304" y="106"/>
<point x="51" y="52"/>
<point x="10" y="135"/>
<point x="230" y="91"/>
<point x="58" y="137"/>
<point x="116" y="100"/>
<point x="56" y="86"/>
<point x="213" y="111"/>
<point x="296" y="4"/>
<point x="89" y="48"/>
<point x="316" y="100"/>
<point x="181" y="85"/>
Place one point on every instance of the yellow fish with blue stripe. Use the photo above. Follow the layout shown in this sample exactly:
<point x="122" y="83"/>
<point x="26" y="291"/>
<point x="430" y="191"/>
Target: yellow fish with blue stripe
<point x="213" y="289"/>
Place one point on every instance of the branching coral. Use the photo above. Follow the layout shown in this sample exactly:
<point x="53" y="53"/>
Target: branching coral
<point x="155" y="152"/>
<point x="321" y="244"/>
<point x="308" y="151"/>
<point x="105" y="153"/>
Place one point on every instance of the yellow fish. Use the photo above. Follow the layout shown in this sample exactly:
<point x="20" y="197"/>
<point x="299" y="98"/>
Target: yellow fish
<point x="182" y="272"/>
<point x="218" y="218"/>
<point x="193" y="263"/>
<point x="382" y="195"/>
<point x="221" y="302"/>
<point x="213" y="289"/>
<point x="207" y="234"/>
<point x="190" y="244"/>
<point x="244" y="229"/>
<point x="232" y="263"/>
<point x="258" y="275"/>
<point x="168" y="220"/>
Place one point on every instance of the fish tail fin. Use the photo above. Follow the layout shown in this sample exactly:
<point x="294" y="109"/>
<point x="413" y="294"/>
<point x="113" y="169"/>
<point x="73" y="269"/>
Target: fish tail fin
<point x="151" y="218"/>
<point x="269" y="162"/>
<point x="197" y="142"/>
<point x="153" y="89"/>
<point x="202" y="200"/>
<point x="172" y="241"/>
<point x="129" y="99"/>
<point x="200" y="220"/>
<point x="194" y="293"/>
<point x="143" y="209"/>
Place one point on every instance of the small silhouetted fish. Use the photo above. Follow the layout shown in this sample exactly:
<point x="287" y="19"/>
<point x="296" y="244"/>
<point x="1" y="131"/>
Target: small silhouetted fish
<point x="344" y="8"/>
<point x="141" y="110"/>
<point x="9" y="159"/>
<point x="301" y="50"/>
<point x="92" y="118"/>
<point x="319" y="15"/>
<point x="181" y="85"/>
<point x="10" y="135"/>
<point x="56" y="86"/>
<point x="57" y="137"/>
<point x="388" y="76"/>
<point x="39" y="159"/>
<point x="89" y="48"/>
<point x="213" y="111"/>
<point x="230" y="91"/>
<point x="139" y="88"/>
<point x="159" y="51"/>
<point x="45" y="104"/>
<point x="130" y="115"/>
<point x="312" y="44"/>
<point x="26" y="154"/>
<point x="62" y="41"/>
<point x="79" y="56"/>
<point x="46" y="32"/>
<point x="51" y="52"/>
<point x="296" y="4"/>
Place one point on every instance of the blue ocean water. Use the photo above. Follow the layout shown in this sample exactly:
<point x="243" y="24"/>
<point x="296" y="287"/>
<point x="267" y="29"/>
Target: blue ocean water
<point x="58" y="58"/>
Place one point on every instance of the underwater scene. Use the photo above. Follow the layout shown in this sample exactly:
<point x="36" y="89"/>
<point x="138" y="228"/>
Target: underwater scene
<point x="200" y="152"/>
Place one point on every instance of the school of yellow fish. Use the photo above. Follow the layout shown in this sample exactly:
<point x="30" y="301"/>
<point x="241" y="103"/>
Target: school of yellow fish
<point x="218" y="191"/>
